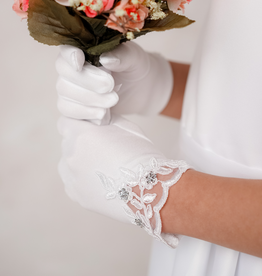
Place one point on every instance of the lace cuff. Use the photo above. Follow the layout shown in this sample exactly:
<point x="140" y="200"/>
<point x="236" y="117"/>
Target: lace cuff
<point x="142" y="195"/>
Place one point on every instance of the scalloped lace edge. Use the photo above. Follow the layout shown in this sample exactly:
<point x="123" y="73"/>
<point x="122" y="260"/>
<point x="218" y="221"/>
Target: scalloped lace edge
<point x="145" y="178"/>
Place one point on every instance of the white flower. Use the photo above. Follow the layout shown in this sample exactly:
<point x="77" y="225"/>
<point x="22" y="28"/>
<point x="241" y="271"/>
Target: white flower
<point x="155" y="10"/>
<point x="130" y="35"/>
<point x="148" y="180"/>
<point x="97" y="6"/>
<point x="125" y="193"/>
<point x="120" y="12"/>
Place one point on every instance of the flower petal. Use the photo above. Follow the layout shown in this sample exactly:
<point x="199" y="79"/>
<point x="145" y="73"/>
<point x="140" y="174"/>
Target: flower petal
<point x="137" y="204"/>
<point x="154" y="163"/>
<point x="111" y="195"/>
<point x="149" y="211"/>
<point x="140" y="171"/>
<point x="106" y="184"/>
<point x="148" y="198"/>
<point x="128" y="173"/>
<point x="173" y="5"/>
<point x="164" y="171"/>
<point x="129" y="212"/>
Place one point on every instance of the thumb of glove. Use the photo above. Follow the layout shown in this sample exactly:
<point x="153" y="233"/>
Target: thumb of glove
<point x="127" y="57"/>
<point x="73" y="56"/>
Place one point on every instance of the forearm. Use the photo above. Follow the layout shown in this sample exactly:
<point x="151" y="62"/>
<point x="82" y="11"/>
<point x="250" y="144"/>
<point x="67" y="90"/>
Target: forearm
<point x="180" y="74"/>
<point x="224" y="211"/>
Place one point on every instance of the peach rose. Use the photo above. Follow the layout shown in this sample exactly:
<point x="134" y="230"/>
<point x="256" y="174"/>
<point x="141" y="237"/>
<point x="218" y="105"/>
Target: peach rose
<point x="127" y="17"/>
<point x="97" y="7"/>
<point x="175" y="5"/>
<point x="92" y="10"/>
<point x="21" y="7"/>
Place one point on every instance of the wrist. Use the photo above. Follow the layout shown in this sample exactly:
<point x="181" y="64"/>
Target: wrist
<point x="175" y="212"/>
<point x="179" y="74"/>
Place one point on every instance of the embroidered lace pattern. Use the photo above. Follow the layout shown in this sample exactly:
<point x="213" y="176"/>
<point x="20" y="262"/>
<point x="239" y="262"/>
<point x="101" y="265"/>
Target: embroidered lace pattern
<point x="135" y="191"/>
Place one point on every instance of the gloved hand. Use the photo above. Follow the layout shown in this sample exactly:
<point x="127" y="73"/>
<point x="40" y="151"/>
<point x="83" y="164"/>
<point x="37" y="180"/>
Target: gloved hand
<point x="130" y="81"/>
<point x="106" y="167"/>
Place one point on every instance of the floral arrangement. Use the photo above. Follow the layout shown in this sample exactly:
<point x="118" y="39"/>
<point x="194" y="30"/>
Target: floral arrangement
<point x="98" y="26"/>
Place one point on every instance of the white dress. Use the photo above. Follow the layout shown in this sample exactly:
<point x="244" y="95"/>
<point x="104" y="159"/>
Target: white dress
<point x="221" y="128"/>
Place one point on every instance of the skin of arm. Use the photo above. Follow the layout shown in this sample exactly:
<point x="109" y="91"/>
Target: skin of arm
<point x="225" y="211"/>
<point x="174" y="106"/>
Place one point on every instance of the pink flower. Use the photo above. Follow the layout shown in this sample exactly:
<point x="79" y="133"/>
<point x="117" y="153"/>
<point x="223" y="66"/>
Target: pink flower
<point x="175" y="5"/>
<point x="98" y="6"/>
<point x="21" y="7"/>
<point x="127" y="17"/>
<point x="94" y="8"/>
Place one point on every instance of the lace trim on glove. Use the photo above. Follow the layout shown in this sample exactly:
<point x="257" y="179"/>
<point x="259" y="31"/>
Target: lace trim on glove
<point x="141" y="205"/>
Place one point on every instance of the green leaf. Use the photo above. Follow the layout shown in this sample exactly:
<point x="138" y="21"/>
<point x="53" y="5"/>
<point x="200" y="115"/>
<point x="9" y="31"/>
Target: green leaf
<point x="107" y="45"/>
<point x="173" y="20"/>
<point x="53" y="24"/>
<point x="96" y="25"/>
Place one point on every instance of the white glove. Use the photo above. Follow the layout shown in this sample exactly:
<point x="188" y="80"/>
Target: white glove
<point x="142" y="83"/>
<point x="100" y="169"/>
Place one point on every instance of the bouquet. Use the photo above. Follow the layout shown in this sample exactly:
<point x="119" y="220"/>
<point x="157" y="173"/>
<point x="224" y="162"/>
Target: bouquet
<point x="98" y="26"/>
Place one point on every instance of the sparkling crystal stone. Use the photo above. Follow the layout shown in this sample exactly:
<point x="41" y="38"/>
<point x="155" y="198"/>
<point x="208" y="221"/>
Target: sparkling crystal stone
<point x="151" y="178"/>
<point x="139" y="223"/>
<point x="123" y="193"/>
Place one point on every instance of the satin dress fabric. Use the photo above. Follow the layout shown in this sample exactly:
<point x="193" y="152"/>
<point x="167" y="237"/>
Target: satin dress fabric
<point x="221" y="128"/>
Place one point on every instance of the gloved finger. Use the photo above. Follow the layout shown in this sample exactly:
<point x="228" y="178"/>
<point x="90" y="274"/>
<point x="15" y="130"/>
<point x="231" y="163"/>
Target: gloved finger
<point x="78" y="111"/>
<point x="71" y="128"/>
<point x="103" y="122"/>
<point x="85" y="97"/>
<point x="73" y="56"/>
<point x="125" y="57"/>
<point x="90" y="77"/>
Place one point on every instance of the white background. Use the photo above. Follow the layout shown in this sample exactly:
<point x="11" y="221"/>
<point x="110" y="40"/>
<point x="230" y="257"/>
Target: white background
<point x="42" y="232"/>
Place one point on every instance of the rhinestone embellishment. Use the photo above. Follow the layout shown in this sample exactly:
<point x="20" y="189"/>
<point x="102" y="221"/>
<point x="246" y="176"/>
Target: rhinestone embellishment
<point x="123" y="193"/>
<point x="151" y="178"/>
<point x="139" y="223"/>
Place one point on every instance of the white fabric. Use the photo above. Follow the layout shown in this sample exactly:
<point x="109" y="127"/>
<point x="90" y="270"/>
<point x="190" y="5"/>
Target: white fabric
<point x="106" y="167"/>
<point x="84" y="91"/>
<point x="221" y="129"/>
<point x="142" y="83"/>
<point x="146" y="79"/>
